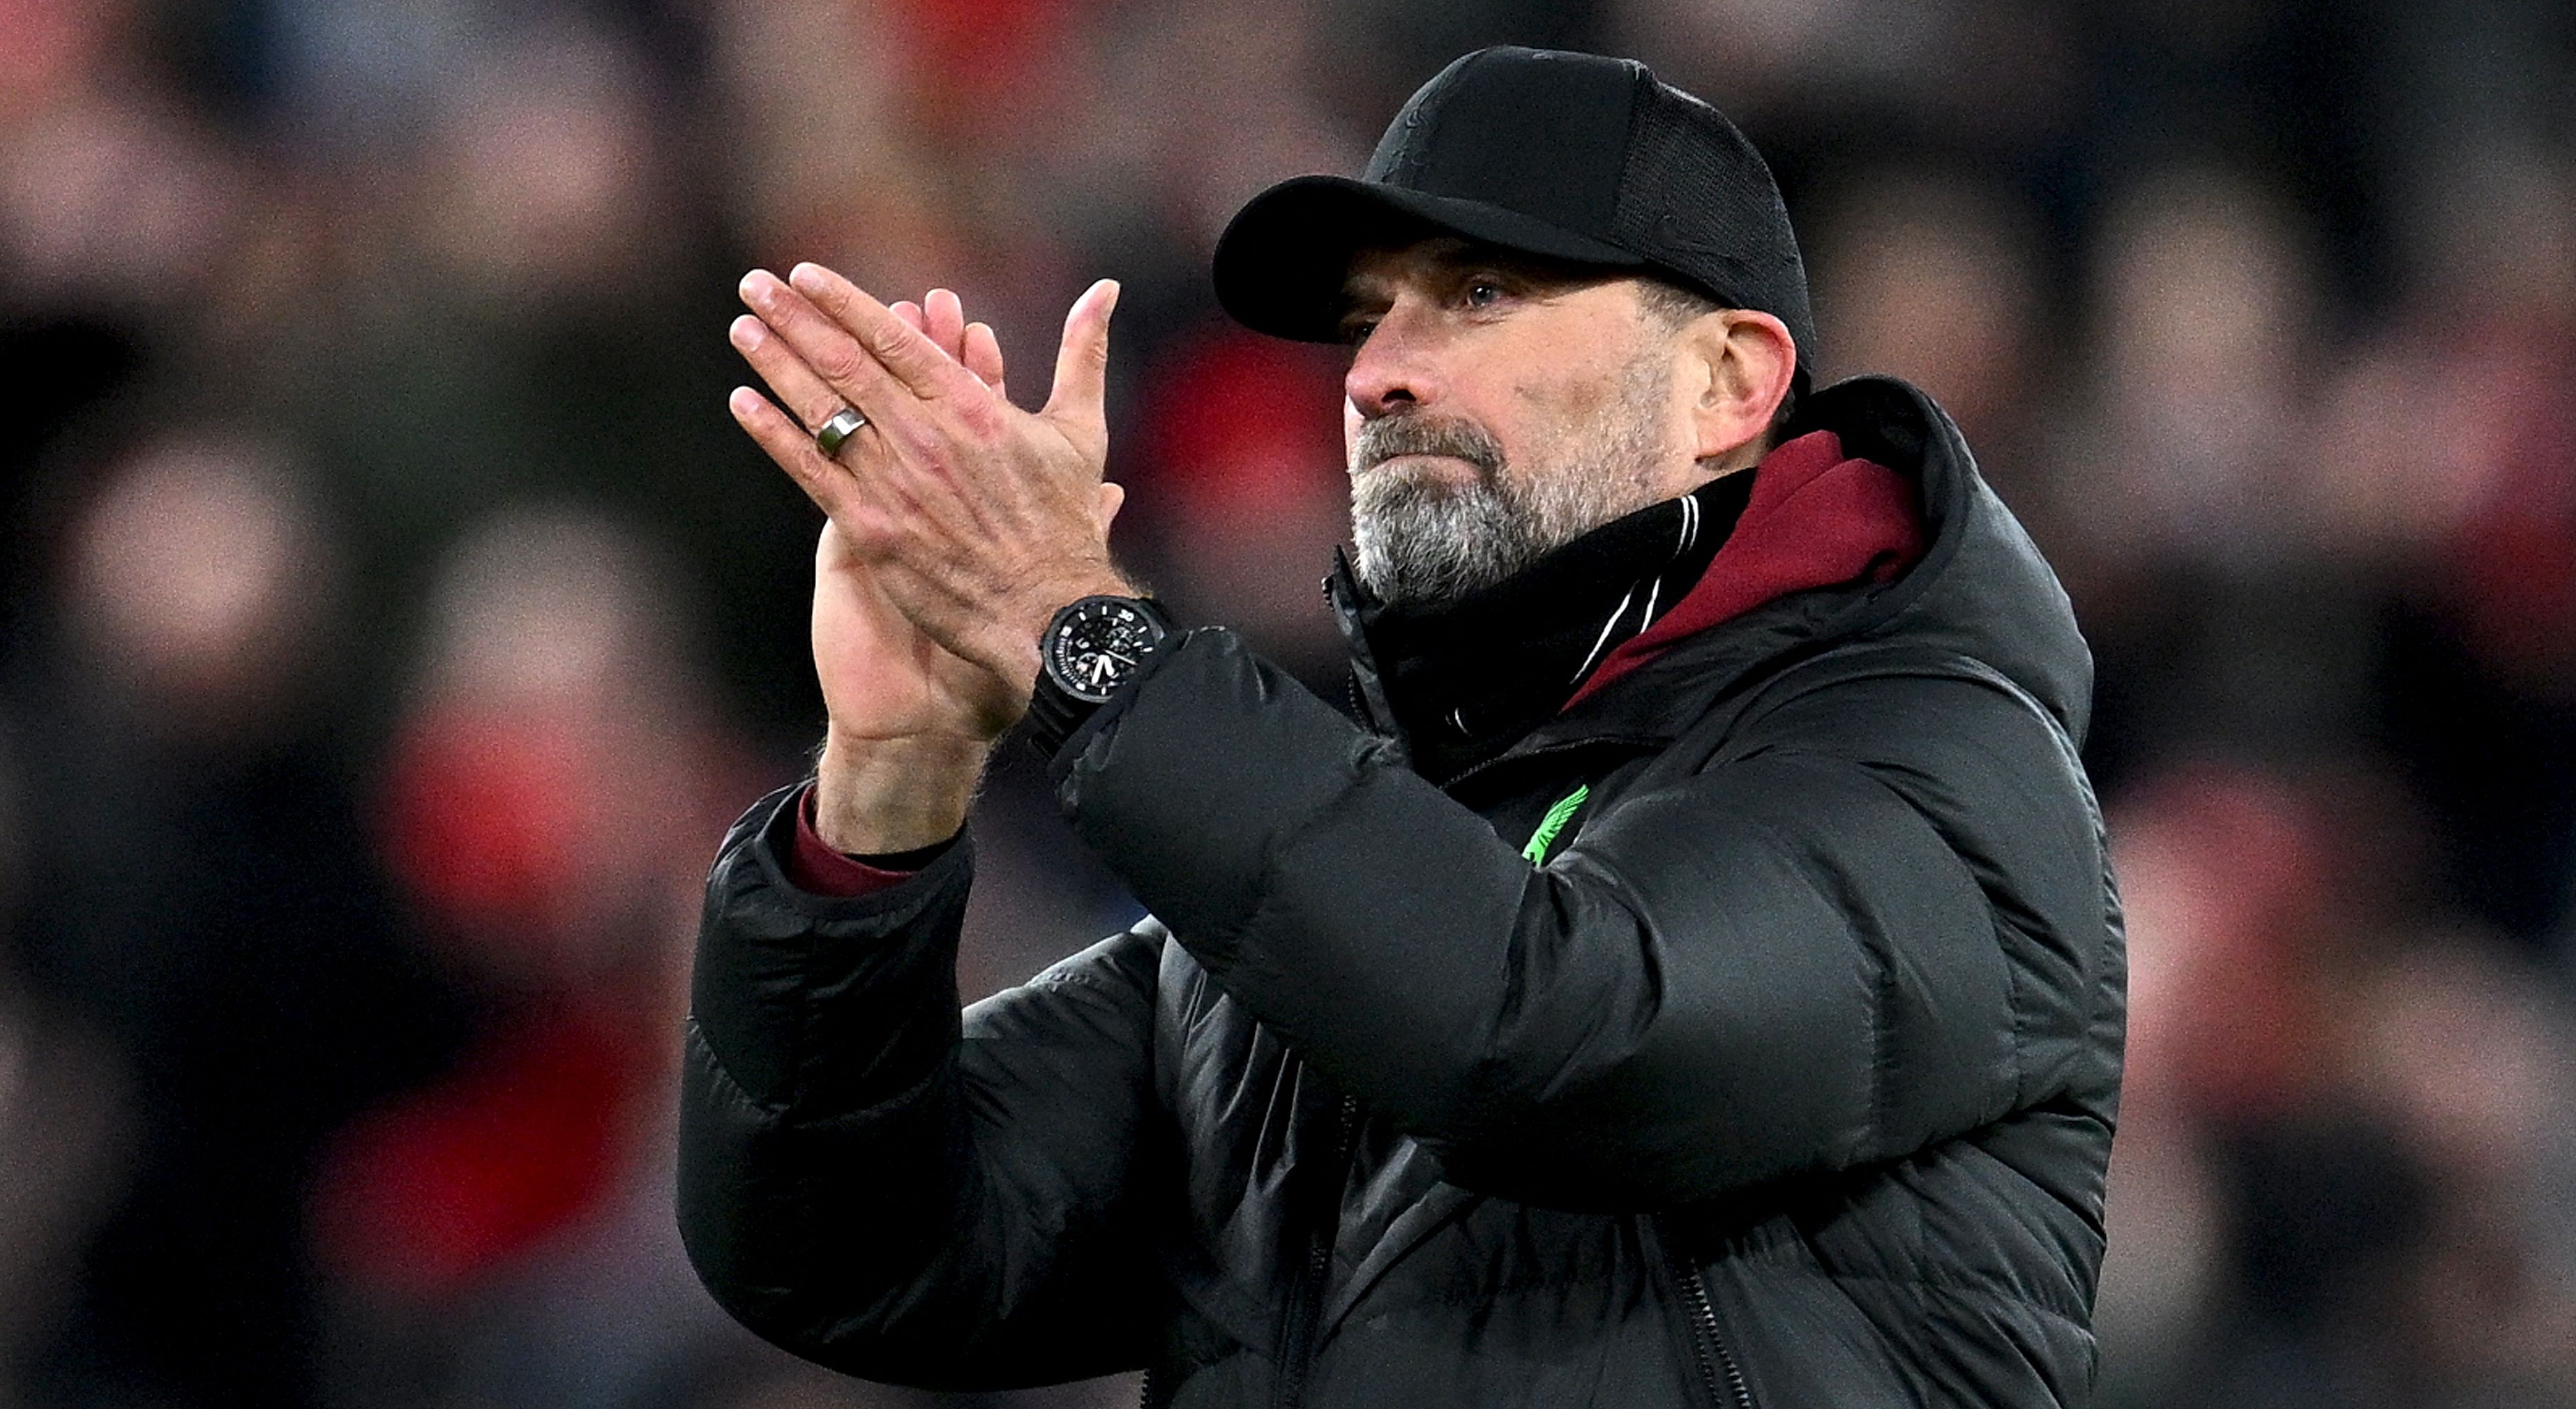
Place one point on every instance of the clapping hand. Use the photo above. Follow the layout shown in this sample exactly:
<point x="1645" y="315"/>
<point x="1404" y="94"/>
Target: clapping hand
<point x="959" y="523"/>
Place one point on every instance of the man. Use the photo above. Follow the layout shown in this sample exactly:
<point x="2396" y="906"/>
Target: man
<point x="1696" y="980"/>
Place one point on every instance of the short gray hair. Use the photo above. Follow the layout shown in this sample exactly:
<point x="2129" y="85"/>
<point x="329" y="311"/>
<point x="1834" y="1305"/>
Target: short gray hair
<point x="1671" y="306"/>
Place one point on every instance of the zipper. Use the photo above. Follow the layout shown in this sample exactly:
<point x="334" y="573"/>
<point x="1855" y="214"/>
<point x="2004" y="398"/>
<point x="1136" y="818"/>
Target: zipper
<point x="1632" y="742"/>
<point x="1718" y="1371"/>
<point x="1307" y="1299"/>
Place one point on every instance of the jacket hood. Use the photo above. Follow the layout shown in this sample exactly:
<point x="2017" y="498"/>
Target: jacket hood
<point x="1981" y="590"/>
<point x="1978" y="587"/>
<point x="1812" y="517"/>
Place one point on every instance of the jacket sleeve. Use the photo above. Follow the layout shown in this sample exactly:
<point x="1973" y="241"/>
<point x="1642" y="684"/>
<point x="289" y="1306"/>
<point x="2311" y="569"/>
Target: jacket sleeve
<point x="1871" y="925"/>
<point x="892" y="1189"/>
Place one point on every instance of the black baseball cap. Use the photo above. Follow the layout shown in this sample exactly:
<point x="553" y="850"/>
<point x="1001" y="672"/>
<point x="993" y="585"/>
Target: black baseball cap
<point x="1572" y="157"/>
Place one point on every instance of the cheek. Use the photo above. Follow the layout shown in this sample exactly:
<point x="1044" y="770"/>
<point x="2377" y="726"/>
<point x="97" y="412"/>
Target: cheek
<point x="1545" y="414"/>
<point x="1351" y="424"/>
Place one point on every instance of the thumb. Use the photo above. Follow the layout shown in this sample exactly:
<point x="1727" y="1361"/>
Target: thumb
<point x="1112" y="495"/>
<point x="1081" y="391"/>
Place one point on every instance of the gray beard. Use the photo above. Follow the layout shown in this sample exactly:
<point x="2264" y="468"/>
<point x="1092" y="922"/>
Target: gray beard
<point x="1422" y="539"/>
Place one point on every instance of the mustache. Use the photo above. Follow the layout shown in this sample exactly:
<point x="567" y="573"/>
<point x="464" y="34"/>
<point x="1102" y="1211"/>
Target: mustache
<point x="1421" y="433"/>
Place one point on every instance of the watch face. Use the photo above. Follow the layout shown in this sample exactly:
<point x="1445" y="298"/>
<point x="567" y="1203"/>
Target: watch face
<point x="1098" y="644"/>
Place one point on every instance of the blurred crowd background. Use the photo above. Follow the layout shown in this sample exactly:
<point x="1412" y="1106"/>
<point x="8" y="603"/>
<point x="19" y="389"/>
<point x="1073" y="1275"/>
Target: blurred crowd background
<point x="391" y="618"/>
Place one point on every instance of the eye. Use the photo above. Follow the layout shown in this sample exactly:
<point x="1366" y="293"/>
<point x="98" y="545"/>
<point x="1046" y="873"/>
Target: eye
<point x="1356" y="330"/>
<point x="1482" y="292"/>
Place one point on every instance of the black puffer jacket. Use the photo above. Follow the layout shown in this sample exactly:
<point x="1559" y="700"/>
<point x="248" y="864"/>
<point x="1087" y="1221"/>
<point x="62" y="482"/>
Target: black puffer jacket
<point x="1789" y="1081"/>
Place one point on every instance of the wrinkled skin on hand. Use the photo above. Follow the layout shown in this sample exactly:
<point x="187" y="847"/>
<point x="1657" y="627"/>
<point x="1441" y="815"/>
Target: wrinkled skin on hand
<point x="959" y="523"/>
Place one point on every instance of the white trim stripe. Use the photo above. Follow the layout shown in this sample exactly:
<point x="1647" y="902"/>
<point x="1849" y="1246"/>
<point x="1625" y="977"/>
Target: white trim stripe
<point x="1606" y="627"/>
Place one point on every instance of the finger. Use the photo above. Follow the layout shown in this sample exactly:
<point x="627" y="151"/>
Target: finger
<point x="943" y="321"/>
<point x="912" y="358"/>
<point x="983" y="355"/>
<point x="908" y="311"/>
<point x="794" y="384"/>
<point x="792" y="448"/>
<point x="855" y="375"/>
<point x="1082" y="361"/>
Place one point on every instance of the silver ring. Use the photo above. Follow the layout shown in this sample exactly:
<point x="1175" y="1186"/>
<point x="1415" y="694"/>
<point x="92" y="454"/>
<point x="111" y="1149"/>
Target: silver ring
<point x="837" y="431"/>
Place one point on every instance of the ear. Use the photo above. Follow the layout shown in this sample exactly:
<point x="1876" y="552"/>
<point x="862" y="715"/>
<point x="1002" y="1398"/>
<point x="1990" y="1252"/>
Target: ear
<point x="1742" y="362"/>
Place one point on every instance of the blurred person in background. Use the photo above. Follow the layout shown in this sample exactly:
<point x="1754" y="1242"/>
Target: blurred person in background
<point x="503" y="1234"/>
<point x="2263" y="1206"/>
<point x="201" y="905"/>
<point x="2204" y="314"/>
<point x="481" y="264"/>
<point x="117" y="209"/>
<point x="1697" y="977"/>
<point x="2342" y="1150"/>
<point x="2227" y="617"/>
<point x="1936" y="278"/>
<point x="2482" y="669"/>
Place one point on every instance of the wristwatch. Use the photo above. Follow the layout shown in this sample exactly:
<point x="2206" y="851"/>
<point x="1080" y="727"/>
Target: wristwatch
<point x="1090" y="649"/>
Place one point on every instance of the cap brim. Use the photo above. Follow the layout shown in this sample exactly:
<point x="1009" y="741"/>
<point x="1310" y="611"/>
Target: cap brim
<point x="1280" y="265"/>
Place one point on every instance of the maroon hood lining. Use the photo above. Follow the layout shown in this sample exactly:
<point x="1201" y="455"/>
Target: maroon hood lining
<point x="1816" y="519"/>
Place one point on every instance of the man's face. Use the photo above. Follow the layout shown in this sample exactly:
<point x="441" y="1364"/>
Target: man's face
<point x="1496" y="409"/>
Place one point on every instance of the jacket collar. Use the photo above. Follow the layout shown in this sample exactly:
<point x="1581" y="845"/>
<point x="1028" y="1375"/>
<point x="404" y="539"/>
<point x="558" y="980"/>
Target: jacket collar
<point x="1967" y="582"/>
<point x="1817" y="518"/>
<point x="1467" y="678"/>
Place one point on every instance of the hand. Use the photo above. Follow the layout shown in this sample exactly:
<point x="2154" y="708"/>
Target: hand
<point x="911" y="722"/>
<point x="976" y="519"/>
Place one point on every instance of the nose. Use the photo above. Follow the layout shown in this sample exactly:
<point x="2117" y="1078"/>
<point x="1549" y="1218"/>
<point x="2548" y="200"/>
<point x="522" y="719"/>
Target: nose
<point x="1393" y="369"/>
